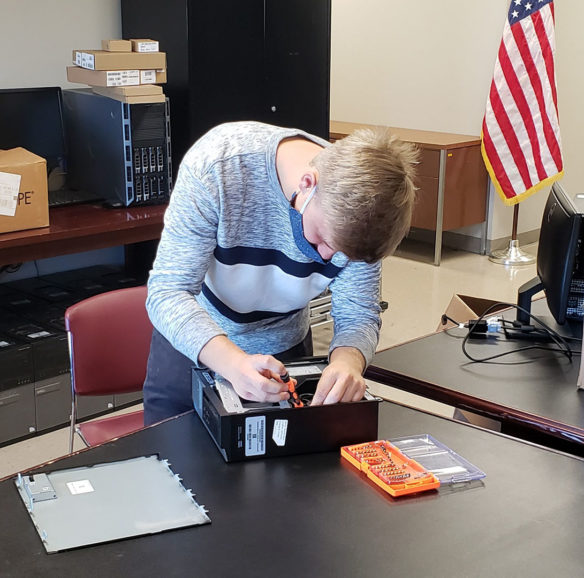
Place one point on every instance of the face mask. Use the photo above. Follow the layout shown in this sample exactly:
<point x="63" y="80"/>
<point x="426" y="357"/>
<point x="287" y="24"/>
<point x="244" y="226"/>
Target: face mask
<point x="303" y="245"/>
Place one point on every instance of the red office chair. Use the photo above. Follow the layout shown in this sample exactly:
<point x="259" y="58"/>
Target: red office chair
<point x="109" y="342"/>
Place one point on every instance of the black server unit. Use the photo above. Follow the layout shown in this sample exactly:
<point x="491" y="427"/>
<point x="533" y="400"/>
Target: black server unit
<point x="117" y="150"/>
<point x="266" y="60"/>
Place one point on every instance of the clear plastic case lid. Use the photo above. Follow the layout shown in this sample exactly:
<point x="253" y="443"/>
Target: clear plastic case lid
<point x="444" y="463"/>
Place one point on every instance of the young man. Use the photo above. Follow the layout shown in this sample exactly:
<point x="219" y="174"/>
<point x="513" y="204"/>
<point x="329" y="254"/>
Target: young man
<point x="263" y="219"/>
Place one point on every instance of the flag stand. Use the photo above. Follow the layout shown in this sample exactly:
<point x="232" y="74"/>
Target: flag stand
<point x="513" y="255"/>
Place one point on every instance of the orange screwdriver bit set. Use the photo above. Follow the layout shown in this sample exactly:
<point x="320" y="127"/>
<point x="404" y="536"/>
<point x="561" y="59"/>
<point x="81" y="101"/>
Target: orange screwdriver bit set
<point x="389" y="468"/>
<point x="411" y="464"/>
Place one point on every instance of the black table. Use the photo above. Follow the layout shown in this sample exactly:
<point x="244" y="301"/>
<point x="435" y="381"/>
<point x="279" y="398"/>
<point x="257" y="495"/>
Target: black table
<point x="533" y="394"/>
<point x="313" y="515"/>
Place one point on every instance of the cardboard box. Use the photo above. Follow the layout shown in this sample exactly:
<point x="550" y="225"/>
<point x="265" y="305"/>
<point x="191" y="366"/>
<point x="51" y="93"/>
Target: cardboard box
<point x="463" y="308"/>
<point x="140" y="90"/>
<point x="115" y="77"/>
<point x="103" y="60"/>
<point x="116" y="45"/>
<point x="32" y="203"/>
<point x="144" y="45"/>
<point x="130" y="99"/>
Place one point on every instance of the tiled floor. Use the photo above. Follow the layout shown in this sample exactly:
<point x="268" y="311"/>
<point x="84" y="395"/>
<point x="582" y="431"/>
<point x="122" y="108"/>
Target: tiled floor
<point x="417" y="293"/>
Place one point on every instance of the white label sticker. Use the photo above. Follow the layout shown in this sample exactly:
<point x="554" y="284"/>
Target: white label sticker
<point x="279" y="433"/>
<point x="255" y="436"/>
<point x="304" y="370"/>
<point x="38" y="334"/>
<point x="87" y="60"/>
<point x="147" y="76"/>
<point x="80" y="487"/>
<point x="122" y="77"/>
<point x="9" y="188"/>
<point x="151" y="46"/>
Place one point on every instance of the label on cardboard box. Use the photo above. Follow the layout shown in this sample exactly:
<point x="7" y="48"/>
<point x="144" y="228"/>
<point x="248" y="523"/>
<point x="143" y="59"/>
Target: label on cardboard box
<point x="9" y="188"/>
<point x="129" y="77"/>
<point x="122" y="77"/>
<point x="85" y="60"/>
<point x="145" y="45"/>
<point x="147" y="76"/>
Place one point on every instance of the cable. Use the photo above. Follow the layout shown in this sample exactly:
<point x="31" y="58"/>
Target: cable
<point x="445" y="319"/>
<point x="13" y="268"/>
<point x="545" y="332"/>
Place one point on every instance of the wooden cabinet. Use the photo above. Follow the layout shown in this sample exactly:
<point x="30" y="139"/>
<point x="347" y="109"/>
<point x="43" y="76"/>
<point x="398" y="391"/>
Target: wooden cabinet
<point x="451" y="178"/>
<point x="230" y="60"/>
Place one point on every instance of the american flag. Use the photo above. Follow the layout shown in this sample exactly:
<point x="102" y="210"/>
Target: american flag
<point x="521" y="132"/>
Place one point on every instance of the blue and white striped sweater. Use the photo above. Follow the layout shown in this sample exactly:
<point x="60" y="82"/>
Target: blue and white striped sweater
<point x="227" y="262"/>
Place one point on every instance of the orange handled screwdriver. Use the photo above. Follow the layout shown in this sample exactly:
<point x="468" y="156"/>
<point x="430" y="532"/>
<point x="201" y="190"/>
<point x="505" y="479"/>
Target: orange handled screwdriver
<point x="291" y="382"/>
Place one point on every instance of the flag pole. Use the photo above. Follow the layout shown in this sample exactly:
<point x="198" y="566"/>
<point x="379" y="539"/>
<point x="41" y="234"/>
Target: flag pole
<point x="520" y="139"/>
<point x="513" y="255"/>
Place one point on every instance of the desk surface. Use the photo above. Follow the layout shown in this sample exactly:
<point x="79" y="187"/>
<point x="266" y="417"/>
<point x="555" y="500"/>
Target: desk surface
<point x="313" y="515"/>
<point x="79" y="228"/>
<point x="535" y="389"/>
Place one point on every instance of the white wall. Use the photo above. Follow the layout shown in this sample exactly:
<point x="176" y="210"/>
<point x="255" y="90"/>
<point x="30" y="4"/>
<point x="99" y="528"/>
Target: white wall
<point x="416" y="64"/>
<point x="428" y="65"/>
<point x="38" y="36"/>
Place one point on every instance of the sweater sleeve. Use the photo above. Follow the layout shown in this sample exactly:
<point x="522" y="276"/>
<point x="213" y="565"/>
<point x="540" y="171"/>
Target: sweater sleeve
<point x="355" y="308"/>
<point x="184" y="252"/>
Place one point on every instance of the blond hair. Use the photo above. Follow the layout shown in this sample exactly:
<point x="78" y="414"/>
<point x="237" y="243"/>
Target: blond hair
<point x="366" y="190"/>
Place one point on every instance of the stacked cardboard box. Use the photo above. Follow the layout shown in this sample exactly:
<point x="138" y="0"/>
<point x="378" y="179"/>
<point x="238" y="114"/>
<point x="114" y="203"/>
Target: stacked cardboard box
<point x="125" y="70"/>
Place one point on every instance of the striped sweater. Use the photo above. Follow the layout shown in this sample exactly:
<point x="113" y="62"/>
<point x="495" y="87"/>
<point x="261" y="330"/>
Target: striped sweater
<point x="227" y="263"/>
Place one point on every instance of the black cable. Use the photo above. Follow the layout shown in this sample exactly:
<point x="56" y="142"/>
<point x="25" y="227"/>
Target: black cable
<point x="445" y="318"/>
<point x="546" y="331"/>
<point x="12" y="268"/>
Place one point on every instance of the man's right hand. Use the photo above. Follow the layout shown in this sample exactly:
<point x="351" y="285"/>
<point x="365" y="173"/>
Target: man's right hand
<point x="254" y="377"/>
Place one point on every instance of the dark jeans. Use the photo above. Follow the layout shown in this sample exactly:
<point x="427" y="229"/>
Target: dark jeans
<point x="167" y="388"/>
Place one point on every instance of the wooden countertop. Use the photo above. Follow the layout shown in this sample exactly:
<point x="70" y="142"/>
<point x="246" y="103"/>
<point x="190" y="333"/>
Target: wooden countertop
<point x="78" y="228"/>
<point x="427" y="139"/>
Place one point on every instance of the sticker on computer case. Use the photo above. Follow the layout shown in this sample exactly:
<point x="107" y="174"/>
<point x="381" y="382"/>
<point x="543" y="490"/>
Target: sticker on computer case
<point x="279" y="431"/>
<point x="255" y="436"/>
<point x="304" y="370"/>
<point x="80" y="487"/>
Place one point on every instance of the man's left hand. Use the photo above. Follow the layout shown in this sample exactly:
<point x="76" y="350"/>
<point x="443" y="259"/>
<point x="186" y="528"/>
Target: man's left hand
<point x="342" y="379"/>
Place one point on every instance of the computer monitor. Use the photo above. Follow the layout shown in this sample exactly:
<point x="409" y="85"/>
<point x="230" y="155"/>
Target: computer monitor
<point x="32" y="118"/>
<point x="560" y="267"/>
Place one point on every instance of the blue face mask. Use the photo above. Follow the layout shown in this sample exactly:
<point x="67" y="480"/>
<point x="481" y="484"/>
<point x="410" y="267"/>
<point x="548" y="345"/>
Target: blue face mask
<point x="303" y="245"/>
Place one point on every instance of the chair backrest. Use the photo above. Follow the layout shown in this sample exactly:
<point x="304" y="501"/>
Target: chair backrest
<point x="109" y="342"/>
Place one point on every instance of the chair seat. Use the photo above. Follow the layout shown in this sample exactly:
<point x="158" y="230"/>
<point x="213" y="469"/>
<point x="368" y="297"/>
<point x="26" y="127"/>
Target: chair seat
<point x="106" y="429"/>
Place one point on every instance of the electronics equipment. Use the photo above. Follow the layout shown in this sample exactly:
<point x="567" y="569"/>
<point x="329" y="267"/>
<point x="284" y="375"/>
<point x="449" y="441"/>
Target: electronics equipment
<point x="560" y="260"/>
<point x="16" y="362"/>
<point x="118" y="150"/>
<point x="49" y="346"/>
<point x="32" y="118"/>
<point x="244" y="430"/>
